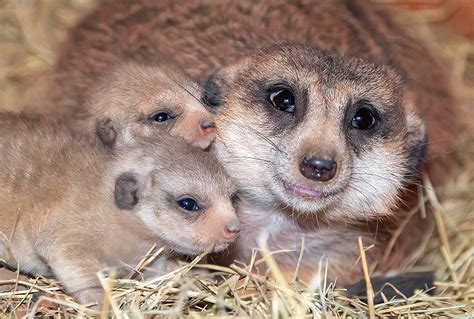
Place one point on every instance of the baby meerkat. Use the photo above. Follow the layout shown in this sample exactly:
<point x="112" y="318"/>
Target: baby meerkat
<point x="69" y="209"/>
<point x="135" y="100"/>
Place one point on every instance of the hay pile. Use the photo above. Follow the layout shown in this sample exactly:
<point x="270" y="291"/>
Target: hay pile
<point x="29" y="32"/>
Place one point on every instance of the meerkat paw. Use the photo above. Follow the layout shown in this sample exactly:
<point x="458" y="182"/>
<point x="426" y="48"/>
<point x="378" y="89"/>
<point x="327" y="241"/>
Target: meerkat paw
<point x="91" y="296"/>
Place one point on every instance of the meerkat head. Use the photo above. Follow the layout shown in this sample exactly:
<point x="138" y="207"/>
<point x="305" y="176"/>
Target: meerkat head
<point x="314" y="132"/>
<point x="135" y="101"/>
<point x="181" y="194"/>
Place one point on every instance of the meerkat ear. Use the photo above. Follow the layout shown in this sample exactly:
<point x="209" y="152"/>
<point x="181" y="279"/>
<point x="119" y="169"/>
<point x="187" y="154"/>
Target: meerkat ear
<point x="213" y="90"/>
<point x="417" y="141"/>
<point x="106" y="132"/>
<point x="219" y="82"/>
<point x="127" y="191"/>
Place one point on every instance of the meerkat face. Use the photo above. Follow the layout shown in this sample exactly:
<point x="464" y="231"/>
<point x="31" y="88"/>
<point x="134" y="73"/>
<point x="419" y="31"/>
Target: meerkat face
<point x="138" y="101"/>
<point x="186" y="200"/>
<point x="315" y="133"/>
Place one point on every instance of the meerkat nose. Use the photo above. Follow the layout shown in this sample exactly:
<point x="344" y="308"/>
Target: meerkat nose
<point x="207" y="125"/>
<point x="318" y="169"/>
<point x="232" y="229"/>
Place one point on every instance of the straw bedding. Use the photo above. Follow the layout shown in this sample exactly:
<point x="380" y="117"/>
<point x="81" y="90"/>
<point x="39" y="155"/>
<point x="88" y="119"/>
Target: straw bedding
<point x="29" y="33"/>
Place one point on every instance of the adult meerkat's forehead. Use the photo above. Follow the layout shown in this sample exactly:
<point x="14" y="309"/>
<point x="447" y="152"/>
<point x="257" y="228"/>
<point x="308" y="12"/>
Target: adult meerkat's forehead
<point x="294" y="61"/>
<point x="303" y="67"/>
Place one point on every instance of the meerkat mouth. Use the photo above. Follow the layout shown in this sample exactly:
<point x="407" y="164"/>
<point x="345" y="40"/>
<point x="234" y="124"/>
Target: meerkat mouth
<point x="298" y="190"/>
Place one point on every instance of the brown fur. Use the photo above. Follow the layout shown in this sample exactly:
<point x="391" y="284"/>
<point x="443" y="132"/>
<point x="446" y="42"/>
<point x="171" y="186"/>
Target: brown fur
<point x="69" y="209"/>
<point x="203" y="36"/>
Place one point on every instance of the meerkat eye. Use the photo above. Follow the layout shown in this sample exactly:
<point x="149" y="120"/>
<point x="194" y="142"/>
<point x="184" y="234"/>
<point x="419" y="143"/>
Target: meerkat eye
<point x="283" y="100"/>
<point x="363" y="119"/>
<point x="189" y="204"/>
<point x="162" y="117"/>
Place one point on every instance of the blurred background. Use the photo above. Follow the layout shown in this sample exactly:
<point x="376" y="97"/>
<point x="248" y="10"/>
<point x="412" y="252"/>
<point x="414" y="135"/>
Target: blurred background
<point x="30" y="31"/>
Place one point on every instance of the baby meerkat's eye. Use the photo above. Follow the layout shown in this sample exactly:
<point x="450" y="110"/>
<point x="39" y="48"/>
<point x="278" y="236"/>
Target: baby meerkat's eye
<point x="161" y="117"/>
<point x="189" y="204"/>
<point x="363" y="119"/>
<point x="283" y="100"/>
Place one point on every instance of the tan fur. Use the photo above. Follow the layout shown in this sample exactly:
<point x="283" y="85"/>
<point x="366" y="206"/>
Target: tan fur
<point x="234" y="37"/>
<point x="124" y="102"/>
<point x="66" y="208"/>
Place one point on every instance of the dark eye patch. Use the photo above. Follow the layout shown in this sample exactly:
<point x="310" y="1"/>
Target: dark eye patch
<point x="284" y="105"/>
<point x="362" y="122"/>
<point x="362" y="115"/>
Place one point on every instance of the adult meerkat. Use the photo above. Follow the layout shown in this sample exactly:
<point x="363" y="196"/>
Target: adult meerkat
<point x="203" y="36"/>
<point x="337" y="143"/>
<point x="135" y="100"/>
<point x="69" y="209"/>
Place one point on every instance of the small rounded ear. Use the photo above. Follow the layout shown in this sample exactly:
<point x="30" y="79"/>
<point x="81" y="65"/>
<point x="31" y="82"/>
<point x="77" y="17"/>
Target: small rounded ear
<point x="416" y="142"/>
<point x="127" y="191"/>
<point x="213" y="90"/>
<point x="106" y="132"/>
<point x="216" y="87"/>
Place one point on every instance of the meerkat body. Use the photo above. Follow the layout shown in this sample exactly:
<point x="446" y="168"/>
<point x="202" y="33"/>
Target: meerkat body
<point x="69" y="209"/>
<point x="337" y="176"/>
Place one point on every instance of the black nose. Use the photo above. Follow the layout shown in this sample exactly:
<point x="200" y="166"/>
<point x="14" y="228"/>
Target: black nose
<point x="318" y="169"/>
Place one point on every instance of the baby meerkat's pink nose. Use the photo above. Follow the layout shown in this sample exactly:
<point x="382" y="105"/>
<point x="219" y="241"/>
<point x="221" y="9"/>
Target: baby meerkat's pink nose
<point x="207" y="126"/>
<point x="231" y="229"/>
<point x="205" y="134"/>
